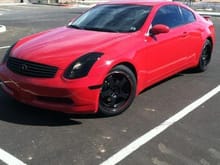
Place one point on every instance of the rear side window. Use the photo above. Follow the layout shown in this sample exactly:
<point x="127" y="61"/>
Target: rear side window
<point x="168" y="15"/>
<point x="188" y="16"/>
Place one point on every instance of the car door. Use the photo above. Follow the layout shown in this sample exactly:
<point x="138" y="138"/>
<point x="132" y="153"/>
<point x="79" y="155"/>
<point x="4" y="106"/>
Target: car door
<point x="194" y="32"/>
<point x="166" y="52"/>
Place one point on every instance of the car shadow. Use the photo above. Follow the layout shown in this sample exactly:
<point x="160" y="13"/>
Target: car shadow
<point x="180" y="74"/>
<point x="161" y="82"/>
<point x="14" y="112"/>
<point x="191" y="71"/>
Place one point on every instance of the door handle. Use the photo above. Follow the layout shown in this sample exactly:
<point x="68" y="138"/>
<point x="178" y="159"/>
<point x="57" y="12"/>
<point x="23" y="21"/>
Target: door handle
<point x="184" y="34"/>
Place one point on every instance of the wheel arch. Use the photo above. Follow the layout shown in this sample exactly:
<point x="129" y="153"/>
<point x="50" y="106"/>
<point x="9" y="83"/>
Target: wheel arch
<point x="130" y="66"/>
<point x="113" y="99"/>
<point x="211" y="40"/>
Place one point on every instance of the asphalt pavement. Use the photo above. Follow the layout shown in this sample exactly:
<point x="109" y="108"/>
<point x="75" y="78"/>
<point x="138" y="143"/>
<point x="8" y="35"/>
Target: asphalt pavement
<point x="36" y="136"/>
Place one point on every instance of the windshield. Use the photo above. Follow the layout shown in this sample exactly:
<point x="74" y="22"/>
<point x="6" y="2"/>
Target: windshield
<point x="113" y="18"/>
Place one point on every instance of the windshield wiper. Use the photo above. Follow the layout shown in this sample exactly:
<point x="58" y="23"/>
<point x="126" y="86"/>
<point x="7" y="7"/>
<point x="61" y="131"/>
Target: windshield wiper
<point x="100" y="29"/>
<point x="93" y="28"/>
<point x="75" y="26"/>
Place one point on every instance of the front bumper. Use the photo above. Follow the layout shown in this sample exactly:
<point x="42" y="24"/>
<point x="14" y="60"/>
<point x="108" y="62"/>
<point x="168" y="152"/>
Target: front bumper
<point x="69" y="96"/>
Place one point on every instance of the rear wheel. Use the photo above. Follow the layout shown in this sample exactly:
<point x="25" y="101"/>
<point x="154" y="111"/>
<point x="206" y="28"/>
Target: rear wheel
<point x="118" y="91"/>
<point x="205" y="57"/>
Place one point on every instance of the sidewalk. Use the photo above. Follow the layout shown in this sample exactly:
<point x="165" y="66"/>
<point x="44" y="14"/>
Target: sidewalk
<point x="208" y="13"/>
<point x="13" y="4"/>
<point x="206" y="6"/>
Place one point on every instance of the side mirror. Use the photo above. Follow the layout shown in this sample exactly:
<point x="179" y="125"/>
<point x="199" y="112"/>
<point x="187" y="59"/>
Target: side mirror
<point x="157" y="29"/>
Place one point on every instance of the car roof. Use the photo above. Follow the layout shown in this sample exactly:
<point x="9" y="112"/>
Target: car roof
<point x="142" y="2"/>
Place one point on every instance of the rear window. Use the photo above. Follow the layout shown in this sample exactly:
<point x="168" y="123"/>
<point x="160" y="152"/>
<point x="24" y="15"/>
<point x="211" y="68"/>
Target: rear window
<point x="188" y="16"/>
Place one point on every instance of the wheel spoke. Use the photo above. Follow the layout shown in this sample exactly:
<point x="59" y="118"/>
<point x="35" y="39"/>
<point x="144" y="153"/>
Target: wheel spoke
<point x="109" y="81"/>
<point x="117" y="92"/>
<point x="106" y="93"/>
<point x="123" y="82"/>
<point x="123" y="95"/>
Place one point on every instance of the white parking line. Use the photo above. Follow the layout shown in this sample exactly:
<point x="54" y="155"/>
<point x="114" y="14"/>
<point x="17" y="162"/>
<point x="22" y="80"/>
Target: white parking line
<point x="9" y="159"/>
<point x="3" y="9"/>
<point x="4" y="47"/>
<point x="2" y="28"/>
<point x="123" y="153"/>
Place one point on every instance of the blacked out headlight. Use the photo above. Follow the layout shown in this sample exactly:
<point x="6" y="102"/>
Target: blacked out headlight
<point x="81" y="67"/>
<point x="7" y="54"/>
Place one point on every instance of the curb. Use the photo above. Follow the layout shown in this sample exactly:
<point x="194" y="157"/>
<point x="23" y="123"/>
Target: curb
<point x="12" y="4"/>
<point x="214" y="14"/>
<point x="79" y="6"/>
<point x="65" y="5"/>
<point x="2" y="28"/>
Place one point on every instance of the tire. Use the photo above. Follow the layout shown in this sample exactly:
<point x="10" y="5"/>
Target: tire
<point x="205" y="57"/>
<point x="117" y="92"/>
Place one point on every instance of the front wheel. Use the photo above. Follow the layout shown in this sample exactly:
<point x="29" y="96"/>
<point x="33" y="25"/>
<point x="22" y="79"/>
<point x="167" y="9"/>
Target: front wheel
<point x="205" y="57"/>
<point x="118" y="91"/>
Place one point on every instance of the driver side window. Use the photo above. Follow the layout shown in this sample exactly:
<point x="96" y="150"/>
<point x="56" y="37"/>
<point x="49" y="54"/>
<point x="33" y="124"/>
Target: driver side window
<point x="168" y="15"/>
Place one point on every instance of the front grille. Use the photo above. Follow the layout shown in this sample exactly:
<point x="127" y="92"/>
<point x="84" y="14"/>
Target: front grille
<point x="31" y="69"/>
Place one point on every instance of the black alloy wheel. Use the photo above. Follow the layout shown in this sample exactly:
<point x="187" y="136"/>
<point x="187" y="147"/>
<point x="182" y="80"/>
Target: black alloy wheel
<point x="205" y="57"/>
<point x="118" y="91"/>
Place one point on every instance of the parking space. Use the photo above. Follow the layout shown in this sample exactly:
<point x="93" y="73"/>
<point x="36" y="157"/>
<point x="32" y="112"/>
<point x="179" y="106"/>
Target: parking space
<point x="193" y="140"/>
<point x="37" y="136"/>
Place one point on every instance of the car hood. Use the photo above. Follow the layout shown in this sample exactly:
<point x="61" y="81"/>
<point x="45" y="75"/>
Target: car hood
<point x="60" y="47"/>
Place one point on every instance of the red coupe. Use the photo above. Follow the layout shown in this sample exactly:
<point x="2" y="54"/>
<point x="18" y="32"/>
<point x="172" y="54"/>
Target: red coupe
<point x="107" y="56"/>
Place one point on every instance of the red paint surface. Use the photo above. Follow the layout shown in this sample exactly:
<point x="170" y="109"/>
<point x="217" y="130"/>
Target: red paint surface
<point x="154" y="59"/>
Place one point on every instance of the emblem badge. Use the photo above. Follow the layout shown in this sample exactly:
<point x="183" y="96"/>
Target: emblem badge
<point x="24" y="67"/>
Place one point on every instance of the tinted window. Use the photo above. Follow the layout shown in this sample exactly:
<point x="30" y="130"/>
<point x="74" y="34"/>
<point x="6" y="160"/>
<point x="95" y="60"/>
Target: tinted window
<point x="168" y="15"/>
<point x="113" y="18"/>
<point x="188" y="16"/>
